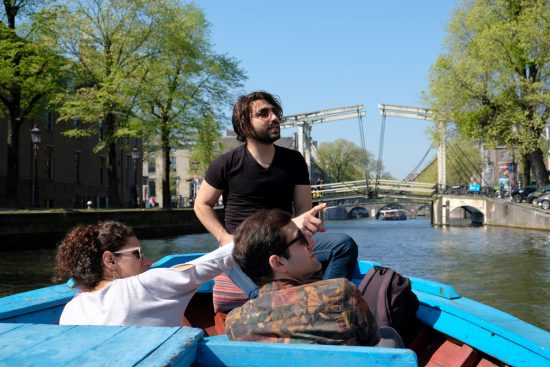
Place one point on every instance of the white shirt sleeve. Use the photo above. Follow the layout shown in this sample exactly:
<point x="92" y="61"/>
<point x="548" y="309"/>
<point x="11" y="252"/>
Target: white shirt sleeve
<point x="167" y="283"/>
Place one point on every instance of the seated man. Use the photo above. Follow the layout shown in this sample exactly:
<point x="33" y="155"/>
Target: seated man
<point x="274" y="253"/>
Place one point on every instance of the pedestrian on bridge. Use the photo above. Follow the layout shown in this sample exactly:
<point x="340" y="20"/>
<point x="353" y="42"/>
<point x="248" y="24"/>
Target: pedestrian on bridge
<point x="261" y="175"/>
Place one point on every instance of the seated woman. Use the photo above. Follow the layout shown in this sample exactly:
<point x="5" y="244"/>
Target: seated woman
<point x="107" y="263"/>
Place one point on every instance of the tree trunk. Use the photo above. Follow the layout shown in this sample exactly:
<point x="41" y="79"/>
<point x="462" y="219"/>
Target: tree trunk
<point x="536" y="159"/>
<point x="12" y="174"/>
<point x="112" y="172"/>
<point x="166" y="197"/>
<point x="14" y="126"/>
<point x="526" y="172"/>
<point x="11" y="12"/>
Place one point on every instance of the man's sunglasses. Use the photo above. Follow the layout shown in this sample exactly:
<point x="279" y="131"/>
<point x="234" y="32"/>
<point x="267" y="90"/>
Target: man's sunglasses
<point x="300" y="237"/>
<point x="266" y="113"/>
<point x="136" y="251"/>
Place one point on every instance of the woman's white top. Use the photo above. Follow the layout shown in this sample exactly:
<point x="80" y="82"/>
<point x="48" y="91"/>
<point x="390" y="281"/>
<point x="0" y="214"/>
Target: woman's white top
<point x="157" y="297"/>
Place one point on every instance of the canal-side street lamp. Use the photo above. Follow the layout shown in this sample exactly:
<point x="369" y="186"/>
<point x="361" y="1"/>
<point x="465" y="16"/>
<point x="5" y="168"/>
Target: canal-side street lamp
<point x="135" y="158"/>
<point x="36" y="138"/>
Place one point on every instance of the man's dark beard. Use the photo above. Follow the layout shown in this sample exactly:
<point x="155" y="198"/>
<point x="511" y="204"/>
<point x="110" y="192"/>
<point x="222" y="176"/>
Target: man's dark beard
<point x="265" y="137"/>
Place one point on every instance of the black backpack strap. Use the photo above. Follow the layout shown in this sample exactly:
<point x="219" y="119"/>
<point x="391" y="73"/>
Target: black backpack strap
<point x="384" y="299"/>
<point x="366" y="280"/>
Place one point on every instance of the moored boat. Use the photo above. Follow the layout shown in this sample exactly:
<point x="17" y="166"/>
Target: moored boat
<point x="454" y="331"/>
<point x="392" y="214"/>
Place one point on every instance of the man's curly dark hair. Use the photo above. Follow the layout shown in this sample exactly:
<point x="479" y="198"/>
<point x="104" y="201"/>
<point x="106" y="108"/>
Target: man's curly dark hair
<point x="242" y="109"/>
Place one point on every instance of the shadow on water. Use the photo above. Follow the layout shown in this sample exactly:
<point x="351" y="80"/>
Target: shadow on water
<point x="25" y="270"/>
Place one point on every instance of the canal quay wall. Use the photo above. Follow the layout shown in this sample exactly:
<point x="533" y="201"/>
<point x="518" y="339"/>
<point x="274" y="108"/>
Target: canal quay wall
<point x="489" y="211"/>
<point x="36" y="229"/>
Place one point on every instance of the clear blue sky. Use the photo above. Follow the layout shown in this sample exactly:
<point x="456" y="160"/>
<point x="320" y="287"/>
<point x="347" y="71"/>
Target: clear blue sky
<point x="323" y="54"/>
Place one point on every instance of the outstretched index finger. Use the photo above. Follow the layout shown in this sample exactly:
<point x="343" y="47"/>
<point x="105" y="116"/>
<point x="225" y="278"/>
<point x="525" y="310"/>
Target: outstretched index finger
<point x="317" y="208"/>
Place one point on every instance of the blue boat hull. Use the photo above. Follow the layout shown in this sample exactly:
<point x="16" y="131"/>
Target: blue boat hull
<point x="468" y="328"/>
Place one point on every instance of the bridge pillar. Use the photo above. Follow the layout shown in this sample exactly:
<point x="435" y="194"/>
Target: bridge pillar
<point x="440" y="211"/>
<point x="441" y="158"/>
<point x="304" y="144"/>
<point x="446" y="213"/>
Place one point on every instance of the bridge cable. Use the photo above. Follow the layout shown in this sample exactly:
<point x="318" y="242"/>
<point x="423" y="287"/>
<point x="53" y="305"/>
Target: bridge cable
<point x="434" y="159"/>
<point x="459" y="166"/>
<point x="472" y="165"/>
<point x="464" y="166"/>
<point x="418" y="165"/>
<point x="314" y="147"/>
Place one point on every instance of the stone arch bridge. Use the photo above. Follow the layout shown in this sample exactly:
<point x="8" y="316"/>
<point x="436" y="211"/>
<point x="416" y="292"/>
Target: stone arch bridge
<point x="371" y="209"/>
<point x="483" y="210"/>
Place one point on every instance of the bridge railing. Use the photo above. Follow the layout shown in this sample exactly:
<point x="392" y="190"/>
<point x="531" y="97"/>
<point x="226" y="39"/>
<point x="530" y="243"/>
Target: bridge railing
<point x="359" y="187"/>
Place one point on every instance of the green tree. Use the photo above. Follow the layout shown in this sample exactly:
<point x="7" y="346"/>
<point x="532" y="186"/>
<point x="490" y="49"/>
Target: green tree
<point x="186" y="85"/>
<point x="29" y="74"/>
<point x="106" y="40"/>
<point x="342" y="160"/>
<point x="206" y="144"/>
<point x="493" y="81"/>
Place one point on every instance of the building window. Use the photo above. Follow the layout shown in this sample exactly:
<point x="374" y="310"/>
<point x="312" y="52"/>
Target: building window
<point x="102" y="167"/>
<point x="151" y="166"/>
<point x="50" y="121"/>
<point x="49" y="163"/>
<point x="77" y="167"/>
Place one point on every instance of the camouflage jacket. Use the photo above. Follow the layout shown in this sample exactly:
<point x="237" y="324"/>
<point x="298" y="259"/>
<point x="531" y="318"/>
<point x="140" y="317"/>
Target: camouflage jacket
<point x="325" y="312"/>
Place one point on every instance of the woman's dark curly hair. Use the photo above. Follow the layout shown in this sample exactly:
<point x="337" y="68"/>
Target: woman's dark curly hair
<point x="242" y="109"/>
<point x="80" y="253"/>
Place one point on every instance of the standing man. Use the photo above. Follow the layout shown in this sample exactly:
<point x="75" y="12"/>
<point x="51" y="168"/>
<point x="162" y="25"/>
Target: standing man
<point x="260" y="175"/>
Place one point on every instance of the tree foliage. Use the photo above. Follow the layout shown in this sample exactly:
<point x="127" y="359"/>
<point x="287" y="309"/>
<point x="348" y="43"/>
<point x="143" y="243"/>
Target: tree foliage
<point x="107" y="42"/>
<point x="342" y="160"/>
<point x="493" y="81"/>
<point x="29" y="74"/>
<point x="186" y="85"/>
<point x="206" y="145"/>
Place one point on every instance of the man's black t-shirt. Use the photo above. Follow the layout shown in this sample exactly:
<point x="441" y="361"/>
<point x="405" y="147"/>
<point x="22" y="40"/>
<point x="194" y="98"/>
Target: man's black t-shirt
<point x="248" y="187"/>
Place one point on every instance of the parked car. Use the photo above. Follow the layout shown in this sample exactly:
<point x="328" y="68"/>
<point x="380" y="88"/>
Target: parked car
<point x="518" y="195"/>
<point x="543" y="201"/>
<point x="535" y="194"/>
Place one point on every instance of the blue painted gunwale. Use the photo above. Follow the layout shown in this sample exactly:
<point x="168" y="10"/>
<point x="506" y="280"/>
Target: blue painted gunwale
<point x="492" y="331"/>
<point x="54" y="345"/>
<point x="218" y="351"/>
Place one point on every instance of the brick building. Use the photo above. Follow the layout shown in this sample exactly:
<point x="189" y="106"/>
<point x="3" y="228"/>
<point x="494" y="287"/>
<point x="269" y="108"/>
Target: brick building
<point x="68" y="172"/>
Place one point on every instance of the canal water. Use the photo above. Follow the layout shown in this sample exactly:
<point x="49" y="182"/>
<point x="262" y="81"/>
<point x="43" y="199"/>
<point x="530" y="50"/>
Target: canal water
<point x="506" y="268"/>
